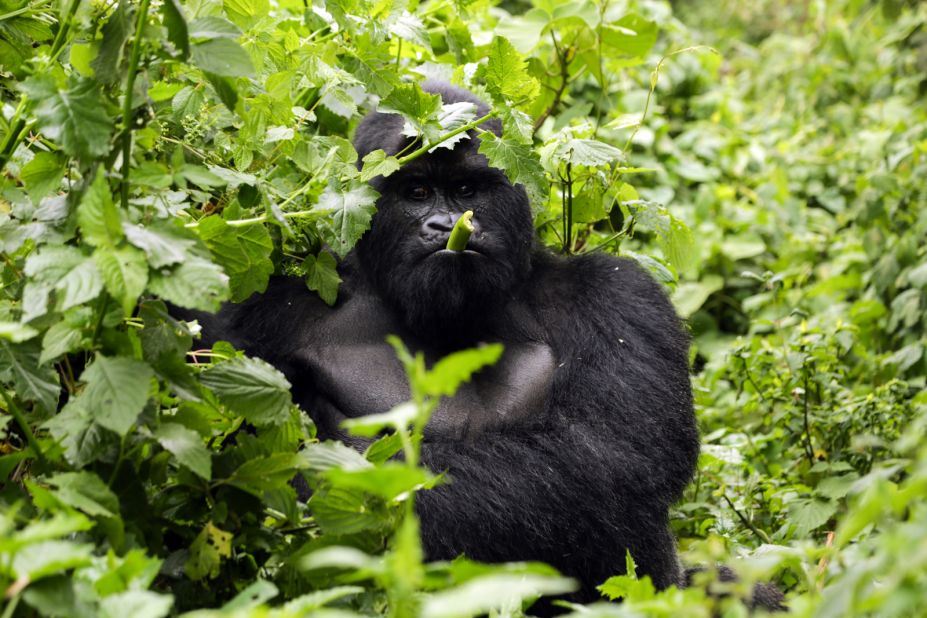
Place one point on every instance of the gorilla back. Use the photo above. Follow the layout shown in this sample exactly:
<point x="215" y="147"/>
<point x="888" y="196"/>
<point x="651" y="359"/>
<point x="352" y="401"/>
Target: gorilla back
<point x="572" y="448"/>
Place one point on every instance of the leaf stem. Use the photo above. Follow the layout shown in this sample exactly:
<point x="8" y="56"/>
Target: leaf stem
<point x="20" y="419"/>
<point x="256" y="220"/>
<point x="127" y="103"/>
<point x="470" y="125"/>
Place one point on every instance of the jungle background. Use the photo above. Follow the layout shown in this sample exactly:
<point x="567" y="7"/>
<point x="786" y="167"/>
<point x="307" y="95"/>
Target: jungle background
<point x="767" y="161"/>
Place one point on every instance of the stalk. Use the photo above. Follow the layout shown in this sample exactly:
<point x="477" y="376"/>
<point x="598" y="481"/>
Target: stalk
<point x="127" y="103"/>
<point x="460" y="235"/>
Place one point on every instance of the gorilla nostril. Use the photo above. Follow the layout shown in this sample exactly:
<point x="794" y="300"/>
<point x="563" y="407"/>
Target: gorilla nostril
<point x="441" y="223"/>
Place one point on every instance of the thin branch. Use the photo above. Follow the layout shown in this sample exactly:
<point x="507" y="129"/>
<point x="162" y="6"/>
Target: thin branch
<point x="127" y="103"/>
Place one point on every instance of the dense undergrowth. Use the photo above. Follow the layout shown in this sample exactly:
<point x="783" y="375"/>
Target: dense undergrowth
<point x="769" y="164"/>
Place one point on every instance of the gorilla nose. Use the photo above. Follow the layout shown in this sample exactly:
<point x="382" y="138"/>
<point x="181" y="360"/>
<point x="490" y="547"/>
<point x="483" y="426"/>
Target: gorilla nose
<point x="440" y="224"/>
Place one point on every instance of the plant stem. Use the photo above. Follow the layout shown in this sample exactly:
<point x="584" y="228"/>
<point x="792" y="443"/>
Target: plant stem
<point x="470" y="125"/>
<point x="20" y="419"/>
<point x="64" y="27"/>
<point x="127" y="103"/>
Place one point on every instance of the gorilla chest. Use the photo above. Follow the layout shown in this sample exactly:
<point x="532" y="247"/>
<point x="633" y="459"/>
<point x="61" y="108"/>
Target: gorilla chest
<point x="354" y="372"/>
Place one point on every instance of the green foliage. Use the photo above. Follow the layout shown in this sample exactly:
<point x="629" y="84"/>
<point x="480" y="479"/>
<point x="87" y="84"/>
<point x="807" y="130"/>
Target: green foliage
<point x="188" y="151"/>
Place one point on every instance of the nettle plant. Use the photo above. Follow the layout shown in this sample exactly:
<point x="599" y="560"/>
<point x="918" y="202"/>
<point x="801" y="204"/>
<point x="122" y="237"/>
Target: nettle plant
<point x="163" y="152"/>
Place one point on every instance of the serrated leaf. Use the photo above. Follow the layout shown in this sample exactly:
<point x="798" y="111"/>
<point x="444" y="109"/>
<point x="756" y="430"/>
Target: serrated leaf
<point x="125" y="274"/>
<point x="225" y="89"/>
<point x="43" y="174"/>
<point x="387" y="480"/>
<point x="195" y="283"/>
<point x="338" y="512"/>
<point x="378" y="163"/>
<point x="50" y="557"/>
<point x="164" y="244"/>
<point x="632" y="35"/>
<point x="251" y="388"/>
<point x="223" y="57"/>
<point x="518" y="161"/>
<point x="410" y="28"/>
<point x="808" y="514"/>
<point x="85" y="491"/>
<point x="451" y="371"/>
<point x="243" y="253"/>
<point x="176" y="24"/>
<point x="117" y="390"/>
<point x="136" y="603"/>
<point x="97" y="214"/>
<point x="264" y="473"/>
<point x="75" y="118"/>
<point x="413" y="103"/>
<point x="213" y="27"/>
<point x="211" y="545"/>
<point x="82" y="439"/>
<point x="19" y="364"/>
<point x="350" y="211"/>
<point x="322" y="456"/>
<point x="506" y="74"/>
<point x="81" y="284"/>
<point x="322" y="276"/>
<point x="187" y="447"/>
<point x="66" y="335"/>
<point x="481" y="595"/>
<point x="115" y="34"/>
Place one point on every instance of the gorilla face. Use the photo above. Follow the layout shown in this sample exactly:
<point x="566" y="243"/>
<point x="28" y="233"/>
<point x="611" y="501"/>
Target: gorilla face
<point x="441" y="294"/>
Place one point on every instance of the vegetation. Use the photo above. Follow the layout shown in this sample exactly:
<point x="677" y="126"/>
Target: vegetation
<point x="767" y="161"/>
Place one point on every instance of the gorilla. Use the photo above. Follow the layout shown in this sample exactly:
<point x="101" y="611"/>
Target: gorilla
<point x="571" y="449"/>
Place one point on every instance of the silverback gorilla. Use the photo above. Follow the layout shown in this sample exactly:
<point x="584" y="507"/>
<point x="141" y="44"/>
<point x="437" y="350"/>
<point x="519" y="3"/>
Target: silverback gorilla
<point x="572" y="448"/>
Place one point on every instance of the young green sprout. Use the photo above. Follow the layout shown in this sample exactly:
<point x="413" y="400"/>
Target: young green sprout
<point x="460" y="235"/>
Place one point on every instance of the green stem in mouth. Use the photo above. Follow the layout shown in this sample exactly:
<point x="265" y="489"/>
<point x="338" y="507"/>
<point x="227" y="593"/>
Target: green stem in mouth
<point x="460" y="235"/>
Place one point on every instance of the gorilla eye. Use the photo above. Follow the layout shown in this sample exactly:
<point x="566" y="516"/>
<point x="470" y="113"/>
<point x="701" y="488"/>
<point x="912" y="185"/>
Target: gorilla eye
<point x="419" y="193"/>
<point x="465" y="190"/>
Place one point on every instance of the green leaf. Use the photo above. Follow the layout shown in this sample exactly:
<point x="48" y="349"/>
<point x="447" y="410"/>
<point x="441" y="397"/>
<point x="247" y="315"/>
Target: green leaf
<point x="211" y="545"/>
<point x="81" y="284"/>
<point x="50" y="557"/>
<point x="85" y="491"/>
<point x="125" y="274"/>
<point x="187" y="446"/>
<point x="115" y="34"/>
<point x="19" y="365"/>
<point x="223" y="57"/>
<point x="213" y="27"/>
<point x="808" y="514"/>
<point x="246" y="13"/>
<point x="369" y="425"/>
<point x="16" y="332"/>
<point x="164" y="244"/>
<point x="482" y="595"/>
<point x="256" y="594"/>
<point x="519" y="162"/>
<point x="506" y="74"/>
<point x="689" y="296"/>
<point x="410" y="28"/>
<point x="322" y="456"/>
<point x="377" y="163"/>
<point x="243" y="253"/>
<point x="63" y="337"/>
<point x="136" y="603"/>
<point x="341" y="511"/>
<point x="322" y="276"/>
<point x="251" y="388"/>
<point x="176" y="24"/>
<point x="388" y="480"/>
<point x="195" y="283"/>
<point x="265" y="473"/>
<point x="225" y="89"/>
<point x="82" y="439"/>
<point x="76" y="118"/>
<point x="97" y="214"/>
<point x="631" y="35"/>
<point x="350" y="211"/>
<point x="43" y="174"/>
<point x="451" y="371"/>
<point x="117" y="390"/>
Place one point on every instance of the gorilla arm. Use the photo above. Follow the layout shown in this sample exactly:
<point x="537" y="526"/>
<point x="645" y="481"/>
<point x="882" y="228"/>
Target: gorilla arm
<point x="595" y="477"/>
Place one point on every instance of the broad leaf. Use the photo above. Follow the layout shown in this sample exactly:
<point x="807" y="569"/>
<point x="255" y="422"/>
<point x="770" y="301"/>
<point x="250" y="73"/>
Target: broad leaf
<point x="116" y="391"/>
<point x="350" y="211"/>
<point x="251" y="388"/>
<point x="75" y="118"/>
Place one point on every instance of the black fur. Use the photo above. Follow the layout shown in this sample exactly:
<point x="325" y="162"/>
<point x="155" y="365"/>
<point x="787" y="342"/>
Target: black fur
<point x="601" y="438"/>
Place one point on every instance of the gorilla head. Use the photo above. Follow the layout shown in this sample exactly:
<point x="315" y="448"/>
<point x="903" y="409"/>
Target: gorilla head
<point x="440" y="294"/>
